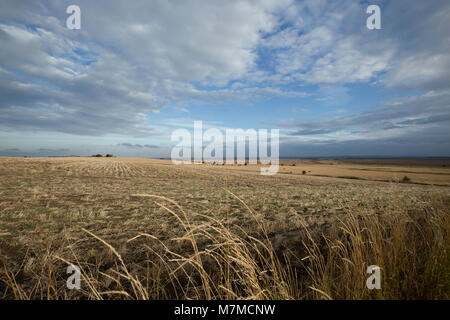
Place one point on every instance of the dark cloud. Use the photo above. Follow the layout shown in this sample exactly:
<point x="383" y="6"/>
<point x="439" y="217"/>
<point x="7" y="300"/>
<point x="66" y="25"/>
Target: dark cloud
<point x="10" y="152"/>
<point x="129" y="145"/>
<point x="416" y="145"/>
<point x="40" y="152"/>
<point x="136" y="145"/>
<point x="395" y="118"/>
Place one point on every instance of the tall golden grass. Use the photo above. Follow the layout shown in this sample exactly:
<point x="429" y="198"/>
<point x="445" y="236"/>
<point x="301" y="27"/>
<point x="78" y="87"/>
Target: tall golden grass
<point x="216" y="260"/>
<point x="411" y="248"/>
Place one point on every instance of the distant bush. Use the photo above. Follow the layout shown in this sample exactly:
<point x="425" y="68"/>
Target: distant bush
<point x="97" y="155"/>
<point x="406" y="179"/>
<point x="109" y="155"/>
<point x="293" y="164"/>
<point x="303" y="172"/>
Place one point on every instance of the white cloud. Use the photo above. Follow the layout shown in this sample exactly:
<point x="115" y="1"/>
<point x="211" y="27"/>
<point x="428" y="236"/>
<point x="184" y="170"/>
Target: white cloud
<point x="126" y="61"/>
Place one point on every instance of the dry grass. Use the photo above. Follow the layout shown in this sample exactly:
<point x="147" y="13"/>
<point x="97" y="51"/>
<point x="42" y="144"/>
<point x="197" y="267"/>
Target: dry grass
<point x="412" y="249"/>
<point x="141" y="229"/>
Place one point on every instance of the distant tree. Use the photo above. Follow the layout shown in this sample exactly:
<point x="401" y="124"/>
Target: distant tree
<point x="97" y="155"/>
<point x="109" y="155"/>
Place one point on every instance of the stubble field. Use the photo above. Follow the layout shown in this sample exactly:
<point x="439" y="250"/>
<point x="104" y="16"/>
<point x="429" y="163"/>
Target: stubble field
<point x="147" y="229"/>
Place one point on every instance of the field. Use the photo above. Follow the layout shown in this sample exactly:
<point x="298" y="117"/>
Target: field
<point x="147" y="229"/>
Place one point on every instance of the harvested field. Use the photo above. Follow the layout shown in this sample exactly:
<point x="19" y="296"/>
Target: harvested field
<point x="147" y="229"/>
<point x="432" y="172"/>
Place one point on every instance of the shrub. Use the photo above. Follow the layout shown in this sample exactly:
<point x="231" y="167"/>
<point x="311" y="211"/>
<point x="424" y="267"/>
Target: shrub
<point x="406" y="179"/>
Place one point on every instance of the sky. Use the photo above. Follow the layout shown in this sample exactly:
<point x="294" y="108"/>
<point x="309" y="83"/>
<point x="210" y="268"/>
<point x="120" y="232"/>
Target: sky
<point x="138" y="70"/>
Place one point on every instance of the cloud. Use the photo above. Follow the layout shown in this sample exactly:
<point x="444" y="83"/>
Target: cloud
<point x="409" y="146"/>
<point x="10" y="151"/>
<point x="421" y="60"/>
<point x="396" y="119"/>
<point x="15" y="152"/>
<point x="136" y="145"/>
<point x="56" y="151"/>
<point x="328" y="42"/>
<point x="125" y="63"/>
<point x="130" y="61"/>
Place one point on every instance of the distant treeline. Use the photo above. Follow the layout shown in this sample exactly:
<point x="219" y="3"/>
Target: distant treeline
<point x="100" y="155"/>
